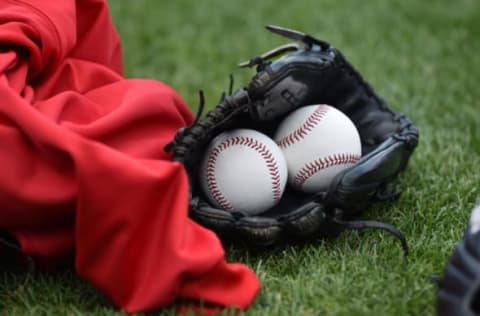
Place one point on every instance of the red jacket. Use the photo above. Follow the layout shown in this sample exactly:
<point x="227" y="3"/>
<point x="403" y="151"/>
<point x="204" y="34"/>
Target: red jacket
<point x="83" y="171"/>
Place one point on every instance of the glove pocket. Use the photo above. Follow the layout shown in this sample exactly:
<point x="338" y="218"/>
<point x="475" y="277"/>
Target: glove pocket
<point x="372" y="178"/>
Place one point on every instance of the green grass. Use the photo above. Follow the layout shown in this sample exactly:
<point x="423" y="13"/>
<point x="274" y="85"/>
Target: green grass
<point x="421" y="56"/>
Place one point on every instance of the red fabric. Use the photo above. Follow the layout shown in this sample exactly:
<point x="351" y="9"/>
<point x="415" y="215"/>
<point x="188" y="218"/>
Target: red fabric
<point x="83" y="169"/>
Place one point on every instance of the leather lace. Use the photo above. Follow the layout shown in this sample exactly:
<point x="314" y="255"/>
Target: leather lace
<point x="366" y="224"/>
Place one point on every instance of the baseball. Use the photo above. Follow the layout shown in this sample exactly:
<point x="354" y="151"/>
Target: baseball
<point x="318" y="141"/>
<point x="243" y="171"/>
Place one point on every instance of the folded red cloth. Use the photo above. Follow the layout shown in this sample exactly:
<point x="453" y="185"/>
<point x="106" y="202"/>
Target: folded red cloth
<point x="84" y="174"/>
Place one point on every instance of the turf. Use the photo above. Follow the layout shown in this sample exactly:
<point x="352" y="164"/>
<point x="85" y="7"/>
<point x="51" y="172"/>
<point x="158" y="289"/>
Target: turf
<point x="421" y="56"/>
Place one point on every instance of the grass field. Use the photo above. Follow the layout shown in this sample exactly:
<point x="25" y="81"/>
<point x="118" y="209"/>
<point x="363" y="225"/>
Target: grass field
<point x="421" y="56"/>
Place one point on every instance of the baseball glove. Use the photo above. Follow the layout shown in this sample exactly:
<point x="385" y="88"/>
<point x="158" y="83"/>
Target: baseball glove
<point x="310" y="71"/>
<point x="459" y="288"/>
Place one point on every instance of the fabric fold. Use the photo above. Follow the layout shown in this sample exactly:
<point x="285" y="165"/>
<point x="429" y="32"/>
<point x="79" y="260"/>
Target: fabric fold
<point x="84" y="173"/>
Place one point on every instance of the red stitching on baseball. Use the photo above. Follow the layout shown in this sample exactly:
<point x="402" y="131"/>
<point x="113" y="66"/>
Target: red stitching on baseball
<point x="315" y="166"/>
<point x="251" y="143"/>
<point x="300" y="133"/>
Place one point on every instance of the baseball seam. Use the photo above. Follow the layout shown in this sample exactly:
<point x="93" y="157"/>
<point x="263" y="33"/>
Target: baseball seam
<point x="300" y="133"/>
<point x="267" y="156"/>
<point x="319" y="164"/>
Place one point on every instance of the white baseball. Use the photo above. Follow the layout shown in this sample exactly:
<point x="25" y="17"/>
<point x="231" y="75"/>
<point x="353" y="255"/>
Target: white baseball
<point x="318" y="141"/>
<point x="243" y="171"/>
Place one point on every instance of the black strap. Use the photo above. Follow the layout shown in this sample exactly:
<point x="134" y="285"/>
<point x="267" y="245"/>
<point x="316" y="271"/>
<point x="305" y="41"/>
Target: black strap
<point x="9" y="244"/>
<point x="362" y="224"/>
<point x="13" y="246"/>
